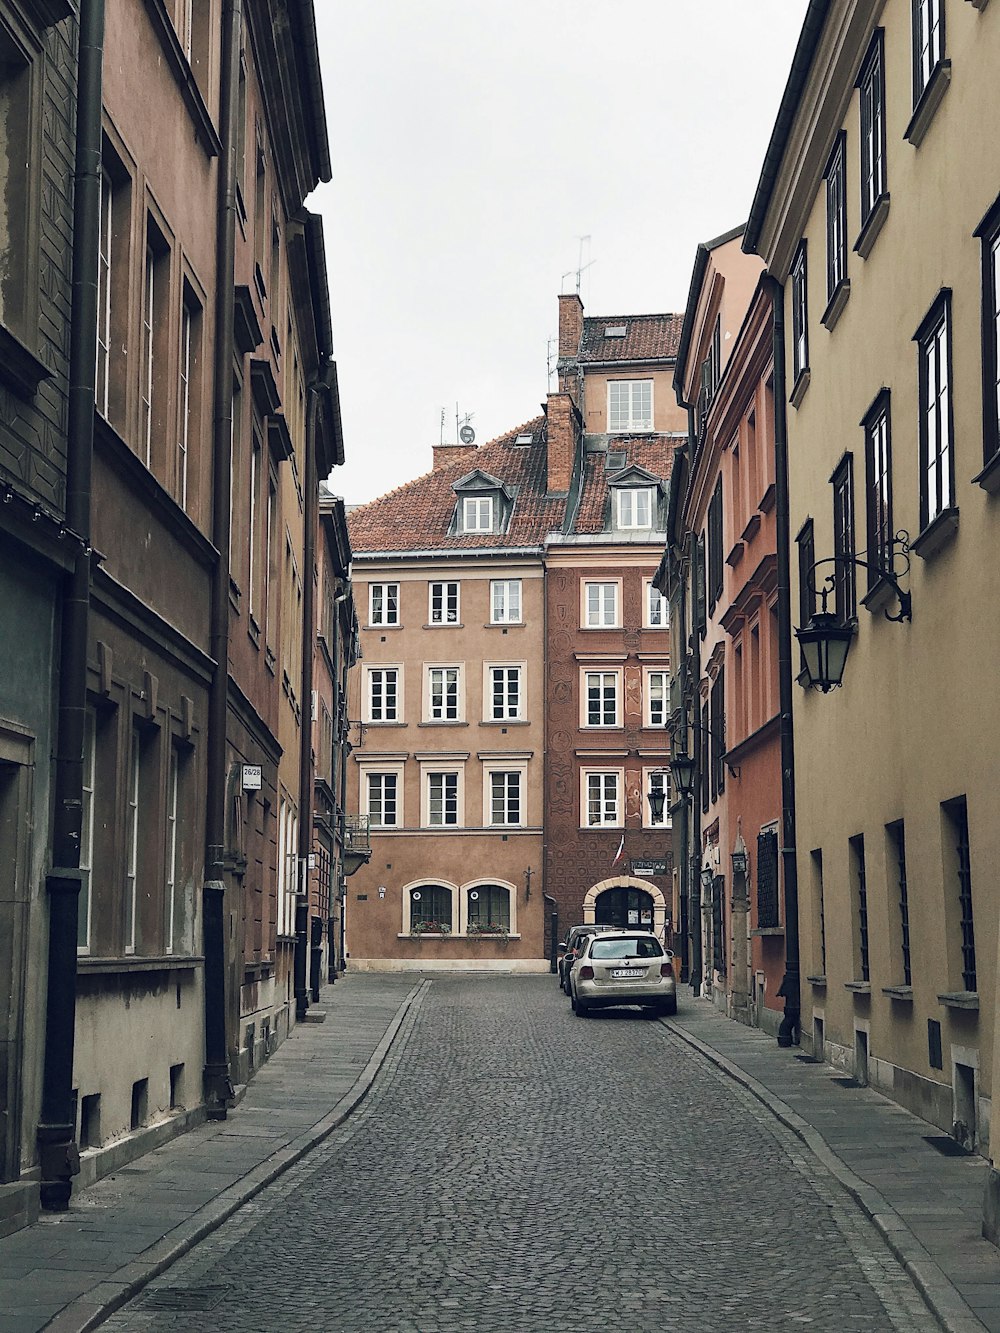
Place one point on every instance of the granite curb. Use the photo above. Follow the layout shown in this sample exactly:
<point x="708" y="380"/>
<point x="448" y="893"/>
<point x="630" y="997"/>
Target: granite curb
<point x="941" y="1297"/>
<point x="90" y="1310"/>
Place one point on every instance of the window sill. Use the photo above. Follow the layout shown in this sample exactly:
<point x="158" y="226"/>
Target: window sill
<point x="859" y="987"/>
<point x="928" y="103"/>
<point x="135" y="963"/>
<point x="234" y="595"/>
<point x="253" y="631"/>
<point x="960" y="999"/>
<point x="900" y="993"/>
<point x="768" y="499"/>
<point x="504" y="722"/>
<point x="980" y="4"/>
<point x="504" y="624"/>
<point x="873" y="224"/>
<point x="454" y="935"/>
<point x="369" y="723"/>
<point x="20" y="369"/>
<point x="602" y="828"/>
<point x="799" y="387"/>
<point x="751" y="529"/>
<point x="380" y="628"/>
<point x="989" y="478"/>
<point x="879" y="596"/>
<point x="818" y="981"/>
<point x="937" y="534"/>
<point x="735" y="555"/>
<point x="600" y="629"/>
<point x="835" y="306"/>
<point x="443" y="722"/>
<point x="441" y="624"/>
<point x="184" y="77"/>
<point x="764" y="932"/>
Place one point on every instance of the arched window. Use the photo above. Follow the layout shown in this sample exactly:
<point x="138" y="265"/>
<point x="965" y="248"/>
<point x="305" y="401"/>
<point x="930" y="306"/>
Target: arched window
<point x="430" y="910"/>
<point x="489" y="909"/>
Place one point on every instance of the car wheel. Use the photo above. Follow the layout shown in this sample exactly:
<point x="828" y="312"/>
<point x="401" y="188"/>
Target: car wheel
<point x="581" y="1010"/>
<point x="668" y="1007"/>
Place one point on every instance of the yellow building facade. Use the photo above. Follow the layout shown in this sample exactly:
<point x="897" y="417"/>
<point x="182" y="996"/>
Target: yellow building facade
<point x="877" y="213"/>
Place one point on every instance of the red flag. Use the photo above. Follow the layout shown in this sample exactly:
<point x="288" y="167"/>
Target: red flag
<point x="620" y="854"/>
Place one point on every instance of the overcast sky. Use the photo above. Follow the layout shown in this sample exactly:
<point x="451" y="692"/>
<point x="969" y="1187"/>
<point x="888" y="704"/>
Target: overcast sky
<point x="474" y="143"/>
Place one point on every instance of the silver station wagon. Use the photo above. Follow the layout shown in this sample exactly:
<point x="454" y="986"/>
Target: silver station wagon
<point x="622" y="967"/>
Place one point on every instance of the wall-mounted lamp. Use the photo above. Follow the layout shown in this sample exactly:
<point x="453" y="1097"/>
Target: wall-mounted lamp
<point x="682" y="772"/>
<point x="826" y="640"/>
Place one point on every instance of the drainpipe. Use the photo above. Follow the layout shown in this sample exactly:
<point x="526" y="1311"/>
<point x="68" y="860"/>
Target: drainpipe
<point x="682" y="855"/>
<point x="790" y="1024"/>
<point x="59" y="1157"/>
<point x="694" y="857"/>
<point x="218" y="1087"/>
<point x="302" y="939"/>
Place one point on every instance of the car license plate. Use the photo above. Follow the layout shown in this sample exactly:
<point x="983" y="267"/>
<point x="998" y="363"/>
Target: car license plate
<point x="624" y="973"/>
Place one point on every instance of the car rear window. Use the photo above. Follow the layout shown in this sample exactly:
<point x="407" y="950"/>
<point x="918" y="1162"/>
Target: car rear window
<point x="634" y="948"/>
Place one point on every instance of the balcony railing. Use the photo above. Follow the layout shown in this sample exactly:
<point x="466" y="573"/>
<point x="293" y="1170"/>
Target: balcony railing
<point x="357" y="849"/>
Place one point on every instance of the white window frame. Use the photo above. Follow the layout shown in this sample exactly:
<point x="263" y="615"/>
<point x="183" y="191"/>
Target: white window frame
<point x="649" y="592"/>
<point x="184" y="403"/>
<point x="378" y="769"/>
<point x="429" y="771"/>
<point x="497" y="767"/>
<point x="507" y="591"/>
<point x="132" y="841"/>
<point x="494" y="882"/>
<point x="602" y="609"/>
<point x="87" y="831"/>
<point x="172" y="847"/>
<point x="660" y="775"/>
<point x="430" y="669"/>
<point x="444" y="590"/>
<point x="627" y="505"/>
<point x="476" y="508"/>
<point x="488" y="710"/>
<point x="604" y="674"/>
<point x="618" y="774"/>
<point x="370" y="672"/>
<point x="384" y="622"/>
<point x="626" y="415"/>
<point x="146" y="387"/>
<point x="104" y="274"/>
<point x="648" y="674"/>
<point x="456" y="924"/>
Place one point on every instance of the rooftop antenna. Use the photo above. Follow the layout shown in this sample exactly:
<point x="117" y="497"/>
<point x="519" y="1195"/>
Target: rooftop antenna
<point x="581" y="267"/>
<point x="551" y="359"/>
<point x="464" y="434"/>
<point x="441" y="432"/>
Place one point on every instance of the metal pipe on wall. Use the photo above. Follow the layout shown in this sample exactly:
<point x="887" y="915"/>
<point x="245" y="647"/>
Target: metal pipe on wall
<point x="218" y="1086"/>
<point x="59" y="1158"/>
<point x="790" y="985"/>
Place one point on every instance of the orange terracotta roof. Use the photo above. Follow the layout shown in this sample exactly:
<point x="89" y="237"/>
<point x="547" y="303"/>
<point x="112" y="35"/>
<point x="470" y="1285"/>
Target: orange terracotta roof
<point x="647" y="338"/>
<point x="654" y="453"/>
<point x="417" y="516"/>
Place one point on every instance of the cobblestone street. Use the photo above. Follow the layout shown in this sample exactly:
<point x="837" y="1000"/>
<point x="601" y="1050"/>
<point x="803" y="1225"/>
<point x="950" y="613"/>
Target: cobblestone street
<point x="515" y="1167"/>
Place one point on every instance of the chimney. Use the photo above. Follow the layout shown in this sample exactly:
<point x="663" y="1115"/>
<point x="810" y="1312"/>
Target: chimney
<point x="570" y="324"/>
<point x="562" y="418"/>
<point x="451" y="453"/>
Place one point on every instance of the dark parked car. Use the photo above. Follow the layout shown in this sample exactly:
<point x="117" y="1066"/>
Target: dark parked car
<point x="570" y="950"/>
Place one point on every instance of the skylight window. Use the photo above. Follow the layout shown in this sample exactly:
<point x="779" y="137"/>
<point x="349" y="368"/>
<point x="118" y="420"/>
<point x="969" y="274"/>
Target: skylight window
<point x="524" y="438"/>
<point x="616" y="330"/>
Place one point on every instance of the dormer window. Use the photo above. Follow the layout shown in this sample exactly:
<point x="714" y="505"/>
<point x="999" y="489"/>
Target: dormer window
<point x="630" y="405"/>
<point x="477" y="513"/>
<point x="635" y="507"/>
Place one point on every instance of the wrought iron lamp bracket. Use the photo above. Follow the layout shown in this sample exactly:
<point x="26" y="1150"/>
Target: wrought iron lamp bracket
<point x="891" y="575"/>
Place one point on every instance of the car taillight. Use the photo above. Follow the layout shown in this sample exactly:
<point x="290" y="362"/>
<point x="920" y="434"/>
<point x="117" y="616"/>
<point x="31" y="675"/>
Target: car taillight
<point x="586" y="973"/>
<point x="666" y="970"/>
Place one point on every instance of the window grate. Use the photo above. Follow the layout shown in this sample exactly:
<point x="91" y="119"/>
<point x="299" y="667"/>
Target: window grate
<point x="767" y="880"/>
<point x="960" y="816"/>
<point x="899" y="842"/>
<point x="861" y="885"/>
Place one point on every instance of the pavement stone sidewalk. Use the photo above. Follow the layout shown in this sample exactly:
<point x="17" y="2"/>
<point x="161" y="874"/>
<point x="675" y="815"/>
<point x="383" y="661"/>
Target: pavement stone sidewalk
<point x="928" y="1207"/>
<point x="68" y="1271"/>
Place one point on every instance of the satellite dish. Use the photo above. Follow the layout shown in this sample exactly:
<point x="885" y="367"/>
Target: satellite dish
<point x="467" y="435"/>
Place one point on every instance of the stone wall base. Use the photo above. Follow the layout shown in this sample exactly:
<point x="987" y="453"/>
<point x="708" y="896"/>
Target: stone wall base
<point x="496" y="965"/>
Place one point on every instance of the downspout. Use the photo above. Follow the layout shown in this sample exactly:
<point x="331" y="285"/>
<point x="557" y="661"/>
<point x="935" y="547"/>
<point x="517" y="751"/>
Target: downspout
<point x="218" y="1087"/>
<point x="790" y="985"/>
<point x="694" y="849"/>
<point x="681" y="859"/>
<point x="316" y="391"/>
<point x="340" y="680"/>
<point x="59" y="1157"/>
